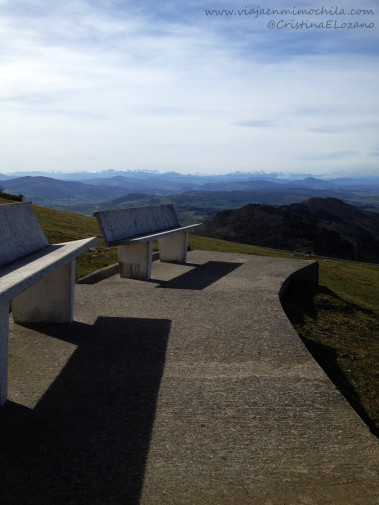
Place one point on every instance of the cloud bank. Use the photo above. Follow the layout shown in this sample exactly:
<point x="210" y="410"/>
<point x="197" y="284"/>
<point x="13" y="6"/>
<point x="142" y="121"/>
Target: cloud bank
<point x="206" y="87"/>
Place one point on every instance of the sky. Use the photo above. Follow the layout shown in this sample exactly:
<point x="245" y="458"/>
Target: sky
<point x="91" y="85"/>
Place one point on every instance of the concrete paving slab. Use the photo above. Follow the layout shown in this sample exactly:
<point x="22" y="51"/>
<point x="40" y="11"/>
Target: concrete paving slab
<point x="190" y="389"/>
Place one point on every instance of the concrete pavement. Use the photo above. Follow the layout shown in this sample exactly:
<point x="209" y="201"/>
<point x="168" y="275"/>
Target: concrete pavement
<point x="190" y="389"/>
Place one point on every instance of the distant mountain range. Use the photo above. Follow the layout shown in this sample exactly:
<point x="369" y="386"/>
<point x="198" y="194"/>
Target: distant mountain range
<point x="145" y="174"/>
<point x="320" y="226"/>
<point x="197" y="196"/>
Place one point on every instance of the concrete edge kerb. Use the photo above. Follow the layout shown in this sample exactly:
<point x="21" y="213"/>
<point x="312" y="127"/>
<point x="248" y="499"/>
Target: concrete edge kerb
<point x="309" y="273"/>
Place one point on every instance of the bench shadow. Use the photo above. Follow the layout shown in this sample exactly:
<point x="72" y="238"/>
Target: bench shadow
<point x="88" y="438"/>
<point x="200" y="277"/>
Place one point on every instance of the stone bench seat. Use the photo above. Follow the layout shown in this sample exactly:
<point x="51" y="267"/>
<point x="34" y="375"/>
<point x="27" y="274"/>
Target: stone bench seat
<point x="153" y="236"/>
<point x="134" y="230"/>
<point x="25" y="272"/>
<point x="36" y="278"/>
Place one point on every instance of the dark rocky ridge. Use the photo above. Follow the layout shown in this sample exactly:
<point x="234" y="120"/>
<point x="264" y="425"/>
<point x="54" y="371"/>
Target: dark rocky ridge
<point x="322" y="226"/>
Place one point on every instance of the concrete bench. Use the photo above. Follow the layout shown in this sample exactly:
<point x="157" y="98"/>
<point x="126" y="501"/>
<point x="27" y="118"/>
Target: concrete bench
<point x="134" y="230"/>
<point x="36" y="277"/>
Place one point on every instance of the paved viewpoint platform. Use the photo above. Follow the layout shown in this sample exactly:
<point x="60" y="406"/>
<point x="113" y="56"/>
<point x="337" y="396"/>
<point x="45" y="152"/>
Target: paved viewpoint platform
<point x="190" y="389"/>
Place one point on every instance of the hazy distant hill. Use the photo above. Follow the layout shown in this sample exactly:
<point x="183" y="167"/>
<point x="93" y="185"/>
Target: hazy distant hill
<point x="46" y="190"/>
<point x="255" y="184"/>
<point x="328" y="227"/>
<point x="4" y="177"/>
<point x="150" y="185"/>
<point x="312" y="182"/>
<point x="197" y="197"/>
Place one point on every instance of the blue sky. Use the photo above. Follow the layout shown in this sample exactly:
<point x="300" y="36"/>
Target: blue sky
<point x="110" y="84"/>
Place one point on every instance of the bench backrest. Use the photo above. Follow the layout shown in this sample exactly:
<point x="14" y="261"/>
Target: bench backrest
<point x="20" y="232"/>
<point x="127" y="223"/>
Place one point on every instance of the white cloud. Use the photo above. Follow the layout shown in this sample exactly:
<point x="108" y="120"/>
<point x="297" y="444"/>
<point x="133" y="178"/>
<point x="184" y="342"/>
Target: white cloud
<point x="97" y="85"/>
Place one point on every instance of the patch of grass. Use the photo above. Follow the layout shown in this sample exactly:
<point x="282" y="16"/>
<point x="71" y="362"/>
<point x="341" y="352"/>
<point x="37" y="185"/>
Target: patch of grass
<point x="5" y="200"/>
<point x="211" y="244"/>
<point x="339" y="323"/>
<point x="61" y="226"/>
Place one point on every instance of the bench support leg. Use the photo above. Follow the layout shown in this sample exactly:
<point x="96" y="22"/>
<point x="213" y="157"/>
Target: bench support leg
<point x="173" y="249"/>
<point x="135" y="260"/>
<point x="51" y="300"/>
<point x="4" y="332"/>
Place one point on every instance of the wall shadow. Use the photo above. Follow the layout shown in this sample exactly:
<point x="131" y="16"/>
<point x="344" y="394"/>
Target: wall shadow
<point x="301" y="301"/>
<point x="304" y="298"/>
<point x="326" y="357"/>
<point x="87" y="440"/>
<point x="200" y="277"/>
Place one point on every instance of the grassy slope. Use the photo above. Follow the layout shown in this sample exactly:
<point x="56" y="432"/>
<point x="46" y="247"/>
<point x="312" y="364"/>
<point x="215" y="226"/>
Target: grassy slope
<point x="64" y="226"/>
<point x="338" y="320"/>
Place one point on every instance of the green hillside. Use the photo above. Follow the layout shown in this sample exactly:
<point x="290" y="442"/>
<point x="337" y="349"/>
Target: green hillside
<point x="338" y="320"/>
